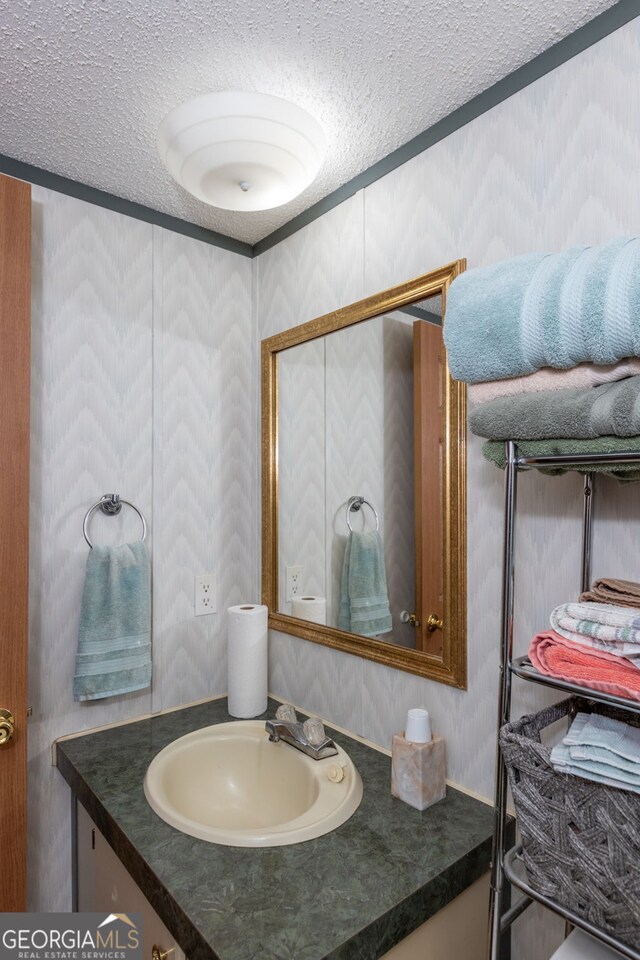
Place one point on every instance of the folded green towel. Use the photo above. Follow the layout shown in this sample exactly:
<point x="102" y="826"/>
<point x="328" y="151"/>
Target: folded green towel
<point x="611" y="409"/>
<point x="545" y="310"/>
<point x="493" y="450"/>
<point x="114" y="641"/>
<point x="364" y="602"/>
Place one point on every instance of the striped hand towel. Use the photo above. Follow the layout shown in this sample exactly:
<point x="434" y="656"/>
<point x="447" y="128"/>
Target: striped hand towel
<point x="114" y="640"/>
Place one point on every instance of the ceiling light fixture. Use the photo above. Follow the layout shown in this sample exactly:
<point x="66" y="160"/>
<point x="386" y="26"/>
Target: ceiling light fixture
<point x="241" y="151"/>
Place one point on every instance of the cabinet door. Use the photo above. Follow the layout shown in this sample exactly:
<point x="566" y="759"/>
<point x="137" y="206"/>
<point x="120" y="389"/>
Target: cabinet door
<point x="458" y="930"/>
<point x="104" y="886"/>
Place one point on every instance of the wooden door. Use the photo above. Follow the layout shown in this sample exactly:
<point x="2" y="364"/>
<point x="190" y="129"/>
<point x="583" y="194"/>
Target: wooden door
<point x="428" y="422"/>
<point x="15" y="330"/>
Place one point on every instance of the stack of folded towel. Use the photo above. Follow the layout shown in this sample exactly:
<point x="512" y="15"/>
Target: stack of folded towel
<point x="602" y="749"/>
<point x="550" y="344"/>
<point x="595" y="644"/>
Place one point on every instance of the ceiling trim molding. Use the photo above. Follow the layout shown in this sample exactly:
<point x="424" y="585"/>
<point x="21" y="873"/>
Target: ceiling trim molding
<point x="73" y="188"/>
<point x="581" y="39"/>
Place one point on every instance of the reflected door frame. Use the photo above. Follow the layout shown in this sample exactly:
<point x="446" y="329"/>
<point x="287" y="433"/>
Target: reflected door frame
<point x="428" y="428"/>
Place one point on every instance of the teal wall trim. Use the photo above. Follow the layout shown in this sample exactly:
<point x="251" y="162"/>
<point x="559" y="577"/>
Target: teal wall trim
<point x="612" y="19"/>
<point x="582" y="38"/>
<point x="53" y="181"/>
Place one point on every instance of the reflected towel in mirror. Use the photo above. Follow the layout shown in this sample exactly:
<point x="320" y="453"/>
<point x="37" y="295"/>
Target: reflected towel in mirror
<point x="364" y="601"/>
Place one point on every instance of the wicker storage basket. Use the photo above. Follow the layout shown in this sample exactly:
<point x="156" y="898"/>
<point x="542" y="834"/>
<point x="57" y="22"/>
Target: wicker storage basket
<point x="581" y="840"/>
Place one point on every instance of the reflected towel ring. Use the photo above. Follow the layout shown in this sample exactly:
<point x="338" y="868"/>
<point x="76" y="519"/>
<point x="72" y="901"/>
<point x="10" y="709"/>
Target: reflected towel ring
<point x="111" y="504"/>
<point x="354" y="504"/>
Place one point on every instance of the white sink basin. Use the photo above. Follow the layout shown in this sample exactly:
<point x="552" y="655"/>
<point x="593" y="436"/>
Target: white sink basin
<point x="229" y="784"/>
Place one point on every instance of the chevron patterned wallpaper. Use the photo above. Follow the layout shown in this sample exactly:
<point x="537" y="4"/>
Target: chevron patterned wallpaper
<point x="555" y="165"/>
<point x="145" y="349"/>
<point x="141" y="384"/>
<point x="301" y="474"/>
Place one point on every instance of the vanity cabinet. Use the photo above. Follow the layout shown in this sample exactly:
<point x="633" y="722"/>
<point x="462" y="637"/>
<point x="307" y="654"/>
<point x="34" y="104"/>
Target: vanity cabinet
<point x="105" y="886"/>
<point x="380" y="874"/>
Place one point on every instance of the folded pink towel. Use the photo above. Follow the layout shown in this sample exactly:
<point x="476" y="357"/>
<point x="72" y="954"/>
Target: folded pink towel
<point x="562" y="658"/>
<point x="548" y="378"/>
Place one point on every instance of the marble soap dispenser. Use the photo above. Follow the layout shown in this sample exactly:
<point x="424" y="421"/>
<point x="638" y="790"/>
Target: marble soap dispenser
<point x="418" y="763"/>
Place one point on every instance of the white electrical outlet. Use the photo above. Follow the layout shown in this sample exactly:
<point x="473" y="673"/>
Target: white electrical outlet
<point x="293" y="582"/>
<point x="205" y="601"/>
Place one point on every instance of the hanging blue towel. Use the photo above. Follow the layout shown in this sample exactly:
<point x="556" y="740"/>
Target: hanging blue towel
<point x="364" y="602"/>
<point x="114" y="641"/>
<point x="545" y="310"/>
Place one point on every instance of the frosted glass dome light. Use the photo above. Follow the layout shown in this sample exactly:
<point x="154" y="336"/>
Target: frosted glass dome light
<point x="241" y="151"/>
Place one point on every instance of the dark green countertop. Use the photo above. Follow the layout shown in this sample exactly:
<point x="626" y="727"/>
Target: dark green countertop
<point x="350" y="895"/>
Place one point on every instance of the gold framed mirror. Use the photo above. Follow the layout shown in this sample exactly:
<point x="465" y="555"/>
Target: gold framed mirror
<point x="364" y="482"/>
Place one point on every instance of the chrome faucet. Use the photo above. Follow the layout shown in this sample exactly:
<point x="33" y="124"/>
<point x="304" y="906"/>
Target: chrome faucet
<point x="309" y="737"/>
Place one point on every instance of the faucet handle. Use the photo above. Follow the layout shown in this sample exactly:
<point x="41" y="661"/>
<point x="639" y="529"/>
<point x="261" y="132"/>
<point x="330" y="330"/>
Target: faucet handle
<point x="313" y="729"/>
<point x="286" y="713"/>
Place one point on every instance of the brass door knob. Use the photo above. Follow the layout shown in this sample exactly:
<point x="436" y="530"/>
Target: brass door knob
<point x="157" y="953"/>
<point x="434" y="623"/>
<point x="7" y="725"/>
<point x="407" y="617"/>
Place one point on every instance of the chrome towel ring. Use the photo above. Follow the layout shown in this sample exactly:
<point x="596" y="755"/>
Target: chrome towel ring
<point x="111" y="504"/>
<point x="354" y="504"/>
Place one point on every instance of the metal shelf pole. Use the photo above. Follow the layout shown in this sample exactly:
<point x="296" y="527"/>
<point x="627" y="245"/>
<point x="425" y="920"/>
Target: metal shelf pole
<point x="504" y="701"/>
<point x="587" y="529"/>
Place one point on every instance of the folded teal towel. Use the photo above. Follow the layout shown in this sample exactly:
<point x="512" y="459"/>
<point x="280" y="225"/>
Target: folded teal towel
<point x="493" y="450"/>
<point x="114" y="641"/>
<point x="612" y="409"/>
<point x="599" y="773"/>
<point x="602" y="749"/>
<point x="364" y="602"/>
<point x="605" y="757"/>
<point x="594" y="732"/>
<point x="545" y="310"/>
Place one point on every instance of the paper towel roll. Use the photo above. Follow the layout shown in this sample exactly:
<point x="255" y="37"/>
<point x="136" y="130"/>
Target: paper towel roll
<point x="313" y="609"/>
<point x="247" y="660"/>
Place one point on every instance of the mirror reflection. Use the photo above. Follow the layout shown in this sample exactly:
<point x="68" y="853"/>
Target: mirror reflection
<point x="356" y="407"/>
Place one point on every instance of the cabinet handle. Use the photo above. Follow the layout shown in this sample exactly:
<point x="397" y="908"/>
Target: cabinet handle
<point x="434" y="623"/>
<point x="157" y="953"/>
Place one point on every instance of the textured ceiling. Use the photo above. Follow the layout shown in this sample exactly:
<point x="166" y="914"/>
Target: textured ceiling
<point x="85" y="83"/>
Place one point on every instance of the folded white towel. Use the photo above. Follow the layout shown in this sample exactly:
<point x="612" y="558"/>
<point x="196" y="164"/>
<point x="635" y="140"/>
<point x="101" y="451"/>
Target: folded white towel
<point x="614" y="629"/>
<point x="580" y="946"/>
